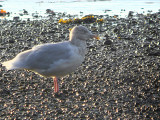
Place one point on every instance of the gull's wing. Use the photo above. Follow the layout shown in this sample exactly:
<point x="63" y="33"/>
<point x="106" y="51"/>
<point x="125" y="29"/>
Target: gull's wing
<point x="40" y="57"/>
<point x="43" y="56"/>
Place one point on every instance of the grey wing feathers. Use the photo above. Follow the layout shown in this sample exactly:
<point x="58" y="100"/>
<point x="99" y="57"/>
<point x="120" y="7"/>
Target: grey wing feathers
<point x="42" y="56"/>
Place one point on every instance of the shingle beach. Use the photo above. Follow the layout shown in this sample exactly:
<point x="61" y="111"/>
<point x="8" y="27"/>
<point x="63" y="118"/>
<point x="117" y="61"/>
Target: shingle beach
<point x="119" y="79"/>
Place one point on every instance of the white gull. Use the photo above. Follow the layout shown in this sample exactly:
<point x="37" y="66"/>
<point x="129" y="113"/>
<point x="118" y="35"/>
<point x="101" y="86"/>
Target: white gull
<point x="54" y="59"/>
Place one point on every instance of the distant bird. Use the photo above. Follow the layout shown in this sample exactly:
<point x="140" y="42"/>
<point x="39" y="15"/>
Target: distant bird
<point x="54" y="59"/>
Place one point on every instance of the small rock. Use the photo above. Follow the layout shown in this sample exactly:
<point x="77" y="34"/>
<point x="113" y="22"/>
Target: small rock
<point x="108" y="42"/>
<point x="154" y="53"/>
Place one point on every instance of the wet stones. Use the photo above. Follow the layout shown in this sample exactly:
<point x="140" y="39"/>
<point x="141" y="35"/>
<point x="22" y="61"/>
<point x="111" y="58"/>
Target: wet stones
<point x="16" y="19"/>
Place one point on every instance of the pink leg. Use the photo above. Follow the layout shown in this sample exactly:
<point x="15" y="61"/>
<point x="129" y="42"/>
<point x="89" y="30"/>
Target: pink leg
<point x="56" y="87"/>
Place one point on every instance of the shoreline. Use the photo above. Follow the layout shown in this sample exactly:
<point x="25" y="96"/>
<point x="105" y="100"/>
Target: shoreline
<point x="24" y="15"/>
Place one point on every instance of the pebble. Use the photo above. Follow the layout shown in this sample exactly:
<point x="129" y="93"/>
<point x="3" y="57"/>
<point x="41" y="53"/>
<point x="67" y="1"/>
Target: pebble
<point x="108" y="42"/>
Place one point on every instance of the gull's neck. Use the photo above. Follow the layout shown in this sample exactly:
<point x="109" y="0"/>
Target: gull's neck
<point x="78" y="42"/>
<point x="81" y="44"/>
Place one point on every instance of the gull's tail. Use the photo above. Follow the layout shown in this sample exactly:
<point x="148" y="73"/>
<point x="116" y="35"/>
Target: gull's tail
<point x="10" y="65"/>
<point x="18" y="62"/>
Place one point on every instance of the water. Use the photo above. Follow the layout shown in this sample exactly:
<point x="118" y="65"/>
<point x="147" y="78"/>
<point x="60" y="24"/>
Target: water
<point x="115" y="7"/>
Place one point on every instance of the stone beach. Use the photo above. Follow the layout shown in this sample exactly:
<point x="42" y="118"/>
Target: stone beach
<point x="119" y="79"/>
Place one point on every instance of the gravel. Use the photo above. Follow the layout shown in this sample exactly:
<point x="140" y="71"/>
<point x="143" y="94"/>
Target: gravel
<point x="119" y="79"/>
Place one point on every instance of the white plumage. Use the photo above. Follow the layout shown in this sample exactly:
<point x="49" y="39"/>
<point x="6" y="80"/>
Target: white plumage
<point x="54" y="59"/>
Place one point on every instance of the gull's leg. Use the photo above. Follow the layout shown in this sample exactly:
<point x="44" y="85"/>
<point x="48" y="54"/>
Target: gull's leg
<point x="56" y="87"/>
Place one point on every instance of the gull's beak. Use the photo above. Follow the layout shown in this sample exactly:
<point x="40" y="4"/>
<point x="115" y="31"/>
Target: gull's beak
<point x="96" y="37"/>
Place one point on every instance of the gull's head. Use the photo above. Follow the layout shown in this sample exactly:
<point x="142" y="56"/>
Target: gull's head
<point x="81" y="33"/>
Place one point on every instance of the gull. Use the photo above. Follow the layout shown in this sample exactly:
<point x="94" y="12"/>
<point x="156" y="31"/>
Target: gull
<point x="54" y="59"/>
